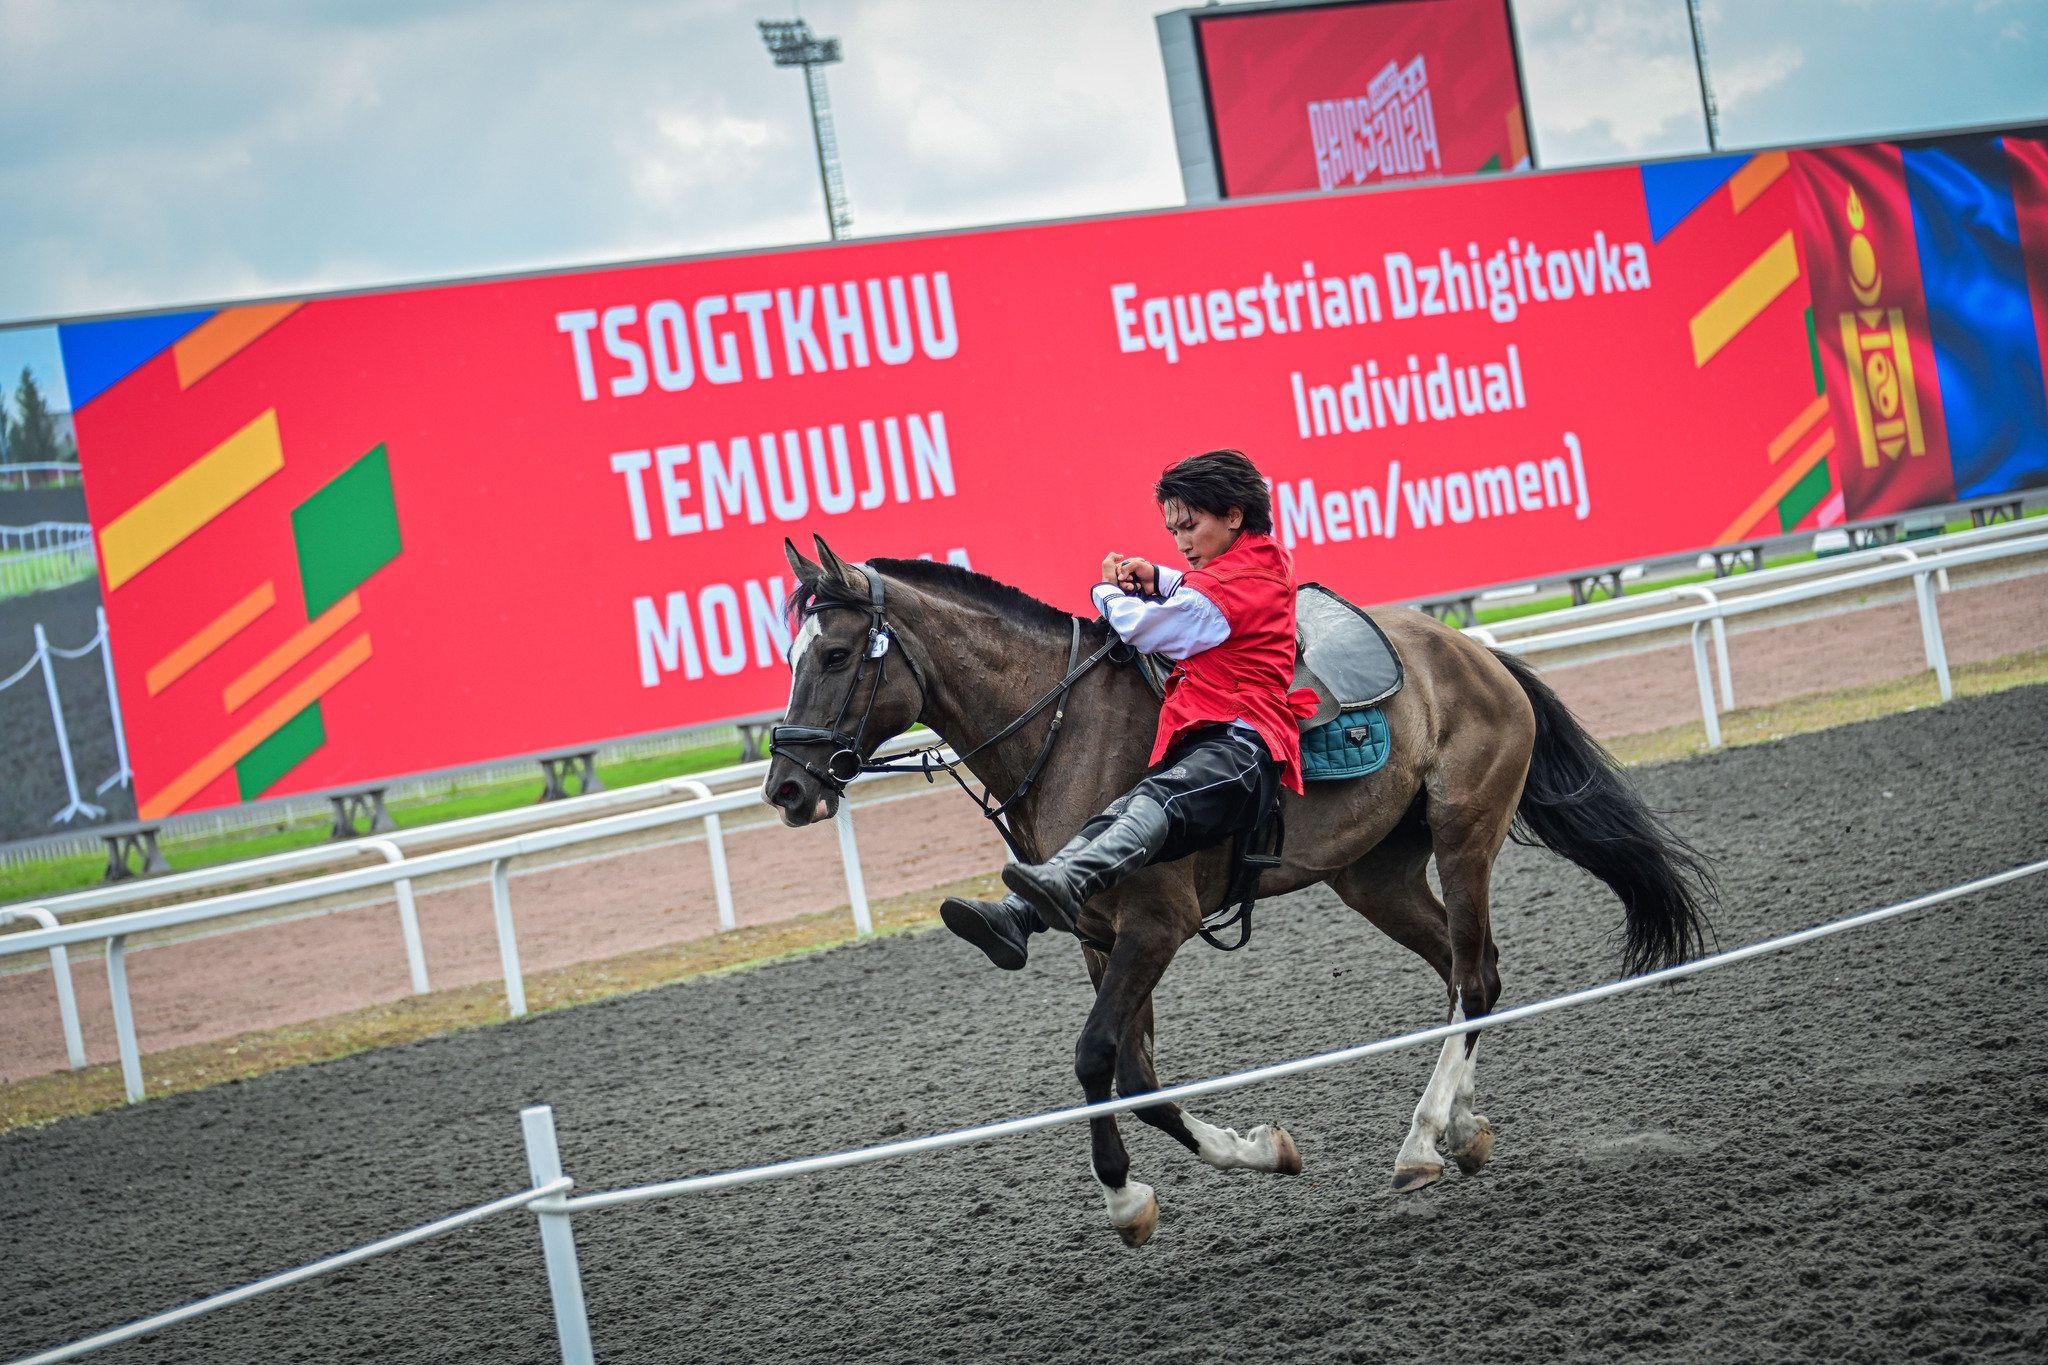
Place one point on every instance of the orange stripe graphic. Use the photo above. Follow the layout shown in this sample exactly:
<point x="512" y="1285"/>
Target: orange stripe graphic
<point x="216" y="341"/>
<point x="268" y="722"/>
<point x="310" y="637"/>
<point x="1802" y="464"/>
<point x="1758" y="174"/>
<point x="211" y="636"/>
<point x="1800" y="425"/>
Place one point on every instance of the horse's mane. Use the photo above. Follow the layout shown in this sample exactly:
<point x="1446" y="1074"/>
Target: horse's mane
<point x="951" y="579"/>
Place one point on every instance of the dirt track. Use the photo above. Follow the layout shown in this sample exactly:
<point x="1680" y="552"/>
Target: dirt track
<point x="1828" y="1155"/>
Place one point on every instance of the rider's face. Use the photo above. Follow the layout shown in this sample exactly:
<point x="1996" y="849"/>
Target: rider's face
<point x="1201" y="535"/>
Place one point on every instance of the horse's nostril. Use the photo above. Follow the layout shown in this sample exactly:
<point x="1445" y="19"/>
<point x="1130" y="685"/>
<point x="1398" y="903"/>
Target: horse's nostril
<point x="787" y="795"/>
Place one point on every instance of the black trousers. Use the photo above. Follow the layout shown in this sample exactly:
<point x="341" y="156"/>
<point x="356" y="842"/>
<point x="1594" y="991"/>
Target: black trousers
<point x="1216" y="783"/>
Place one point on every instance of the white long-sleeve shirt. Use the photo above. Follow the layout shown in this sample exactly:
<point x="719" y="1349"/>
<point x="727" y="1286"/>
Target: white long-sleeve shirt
<point x="1179" y="622"/>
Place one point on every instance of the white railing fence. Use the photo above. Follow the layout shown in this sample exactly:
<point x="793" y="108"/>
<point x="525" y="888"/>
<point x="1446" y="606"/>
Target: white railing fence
<point x="49" y="554"/>
<point x="398" y="872"/>
<point x="555" y="1209"/>
<point x="54" y="475"/>
<point x="1762" y="593"/>
<point x="42" y="658"/>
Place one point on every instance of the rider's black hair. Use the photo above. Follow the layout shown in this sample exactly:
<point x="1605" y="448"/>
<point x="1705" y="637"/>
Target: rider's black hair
<point x="1215" y="483"/>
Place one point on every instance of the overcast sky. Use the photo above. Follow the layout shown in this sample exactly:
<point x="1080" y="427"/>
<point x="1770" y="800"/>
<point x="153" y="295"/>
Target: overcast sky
<point x="161" y="153"/>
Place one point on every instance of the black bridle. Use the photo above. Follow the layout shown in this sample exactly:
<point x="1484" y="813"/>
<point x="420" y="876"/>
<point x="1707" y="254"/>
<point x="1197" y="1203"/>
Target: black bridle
<point x="851" y="754"/>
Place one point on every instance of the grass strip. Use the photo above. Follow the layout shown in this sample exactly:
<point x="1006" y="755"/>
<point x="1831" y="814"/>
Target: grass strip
<point x="63" y="1094"/>
<point x="1826" y="710"/>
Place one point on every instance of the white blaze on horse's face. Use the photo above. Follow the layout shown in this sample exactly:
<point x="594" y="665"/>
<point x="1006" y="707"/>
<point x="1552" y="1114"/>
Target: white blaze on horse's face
<point x="806" y="636"/>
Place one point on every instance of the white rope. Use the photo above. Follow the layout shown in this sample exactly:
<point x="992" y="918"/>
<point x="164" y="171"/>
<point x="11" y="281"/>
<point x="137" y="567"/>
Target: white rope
<point x="1194" y="1089"/>
<point x="23" y="671"/>
<point x="88" y="647"/>
<point x="291" y="1277"/>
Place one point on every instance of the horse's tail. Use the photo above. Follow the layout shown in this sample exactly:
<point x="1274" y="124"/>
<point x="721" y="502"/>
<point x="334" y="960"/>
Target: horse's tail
<point x="1577" y="803"/>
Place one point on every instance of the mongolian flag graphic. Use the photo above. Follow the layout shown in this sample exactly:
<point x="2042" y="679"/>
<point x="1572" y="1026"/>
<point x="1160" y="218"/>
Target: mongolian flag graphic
<point x="1877" y="355"/>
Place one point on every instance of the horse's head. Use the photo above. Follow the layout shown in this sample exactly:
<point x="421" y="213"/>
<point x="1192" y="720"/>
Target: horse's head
<point x="853" y="687"/>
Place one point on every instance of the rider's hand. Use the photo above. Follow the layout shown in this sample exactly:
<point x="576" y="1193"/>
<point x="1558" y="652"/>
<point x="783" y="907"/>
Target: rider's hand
<point x="1112" y="569"/>
<point x="1138" y="577"/>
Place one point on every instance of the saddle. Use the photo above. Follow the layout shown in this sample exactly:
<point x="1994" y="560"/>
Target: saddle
<point x="1343" y="656"/>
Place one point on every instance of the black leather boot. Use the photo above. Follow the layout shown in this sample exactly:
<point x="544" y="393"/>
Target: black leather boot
<point x="1002" y="929"/>
<point x="1087" y="867"/>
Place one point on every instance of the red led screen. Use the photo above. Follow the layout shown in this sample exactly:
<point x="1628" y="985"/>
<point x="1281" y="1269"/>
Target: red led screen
<point x="363" y="536"/>
<point x="1340" y="95"/>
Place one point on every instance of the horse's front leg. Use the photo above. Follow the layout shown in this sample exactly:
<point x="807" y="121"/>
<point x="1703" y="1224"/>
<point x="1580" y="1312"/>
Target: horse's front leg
<point x="1123" y="989"/>
<point x="1264" y="1148"/>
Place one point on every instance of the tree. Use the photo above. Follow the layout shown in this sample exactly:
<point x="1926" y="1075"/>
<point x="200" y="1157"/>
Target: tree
<point x="32" y="437"/>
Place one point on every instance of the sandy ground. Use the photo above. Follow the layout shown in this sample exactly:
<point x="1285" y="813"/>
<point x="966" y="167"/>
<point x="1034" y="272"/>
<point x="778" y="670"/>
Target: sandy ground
<point x="1818" y="1156"/>
<point x="227" y="983"/>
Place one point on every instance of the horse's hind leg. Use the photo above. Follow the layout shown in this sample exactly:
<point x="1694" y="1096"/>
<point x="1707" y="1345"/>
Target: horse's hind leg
<point x="1264" y="1148"/>
<point x="1390" y="887"/>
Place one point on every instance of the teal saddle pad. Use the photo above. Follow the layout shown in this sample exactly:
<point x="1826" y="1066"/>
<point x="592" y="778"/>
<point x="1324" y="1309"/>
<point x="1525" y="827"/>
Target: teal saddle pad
<point x="1354" y="744"/>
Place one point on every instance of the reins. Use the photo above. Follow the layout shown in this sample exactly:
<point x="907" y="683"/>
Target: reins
<point x="849" y="760"/>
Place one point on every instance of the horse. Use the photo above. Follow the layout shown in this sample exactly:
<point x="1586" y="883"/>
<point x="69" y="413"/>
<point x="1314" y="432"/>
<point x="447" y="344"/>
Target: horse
<point x="1482" y="750"/>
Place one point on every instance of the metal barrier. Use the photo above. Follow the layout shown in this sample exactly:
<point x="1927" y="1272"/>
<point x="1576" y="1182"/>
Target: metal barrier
<point x="398" y="872"/>
<point x="554" y="1209"/>
<point x="1710" y="616"/>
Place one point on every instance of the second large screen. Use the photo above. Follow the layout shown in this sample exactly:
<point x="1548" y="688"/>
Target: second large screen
<point x="1333" y="96"/>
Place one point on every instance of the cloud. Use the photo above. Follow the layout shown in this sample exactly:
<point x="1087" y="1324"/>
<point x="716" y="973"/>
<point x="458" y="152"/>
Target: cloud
<point x="195" y="150"/>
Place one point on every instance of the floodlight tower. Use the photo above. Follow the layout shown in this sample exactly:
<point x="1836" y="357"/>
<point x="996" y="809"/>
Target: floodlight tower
<point x="791" y="43"/>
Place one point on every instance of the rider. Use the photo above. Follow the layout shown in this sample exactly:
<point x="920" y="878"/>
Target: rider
<point x="1227" y="731"/>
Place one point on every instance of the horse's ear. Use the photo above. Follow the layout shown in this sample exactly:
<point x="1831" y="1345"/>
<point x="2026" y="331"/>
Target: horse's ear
<point x="806" y="572"/>
<point x="833" y="564"/>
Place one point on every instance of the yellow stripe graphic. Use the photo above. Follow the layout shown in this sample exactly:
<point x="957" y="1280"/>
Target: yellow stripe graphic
<point x="211" y="636"/>
<point x="1735" y="307"/>
<point x="189" y="499"/>
<point x="1802" y="464"/>
<point x="309" y="638"/>
<point x="268" y="722"/>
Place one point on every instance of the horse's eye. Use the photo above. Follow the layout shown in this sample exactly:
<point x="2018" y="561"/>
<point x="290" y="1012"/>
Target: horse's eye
<point x="837" y="658"/>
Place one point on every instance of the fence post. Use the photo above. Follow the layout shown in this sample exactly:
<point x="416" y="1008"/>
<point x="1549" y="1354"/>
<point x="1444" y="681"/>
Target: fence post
<point x="408" y="916"/>
<point x="122" y="773"/>
<point x="60" y="973"/>
<point x="1721" y="661"/>
<point x="79" y="805"/>
<point x="714" y="844"/>
<point x="1706" y="681"/>
<point x="849" y="854"/>
<point x="1930" y="635"/>
<point x="124" y="1017"/>
<point x="508" y="946"/>
<point x="557" y="1238"/>
<point x="721" y="881"/>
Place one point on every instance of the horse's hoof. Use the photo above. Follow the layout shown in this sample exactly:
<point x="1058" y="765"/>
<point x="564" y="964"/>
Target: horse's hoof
<point x="1474" y="1155"/>
<point x="1135" y="1227"/>
<point x="1286" y="1156"/>
<point x="1413" y="1175"/>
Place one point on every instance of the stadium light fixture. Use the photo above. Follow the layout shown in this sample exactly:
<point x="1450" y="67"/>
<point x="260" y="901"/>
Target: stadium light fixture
<point x="791" y="43"/>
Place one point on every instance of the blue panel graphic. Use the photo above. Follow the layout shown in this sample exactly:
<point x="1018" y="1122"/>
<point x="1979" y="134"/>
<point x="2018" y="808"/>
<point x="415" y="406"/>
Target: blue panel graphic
<point x="1673" y="189"/>
<point x="1975" y="278"/>
<point x="99" y="355"/>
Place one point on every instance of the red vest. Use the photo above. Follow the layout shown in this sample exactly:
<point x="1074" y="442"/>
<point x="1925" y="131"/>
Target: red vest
<point x="1249" y="675"/>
